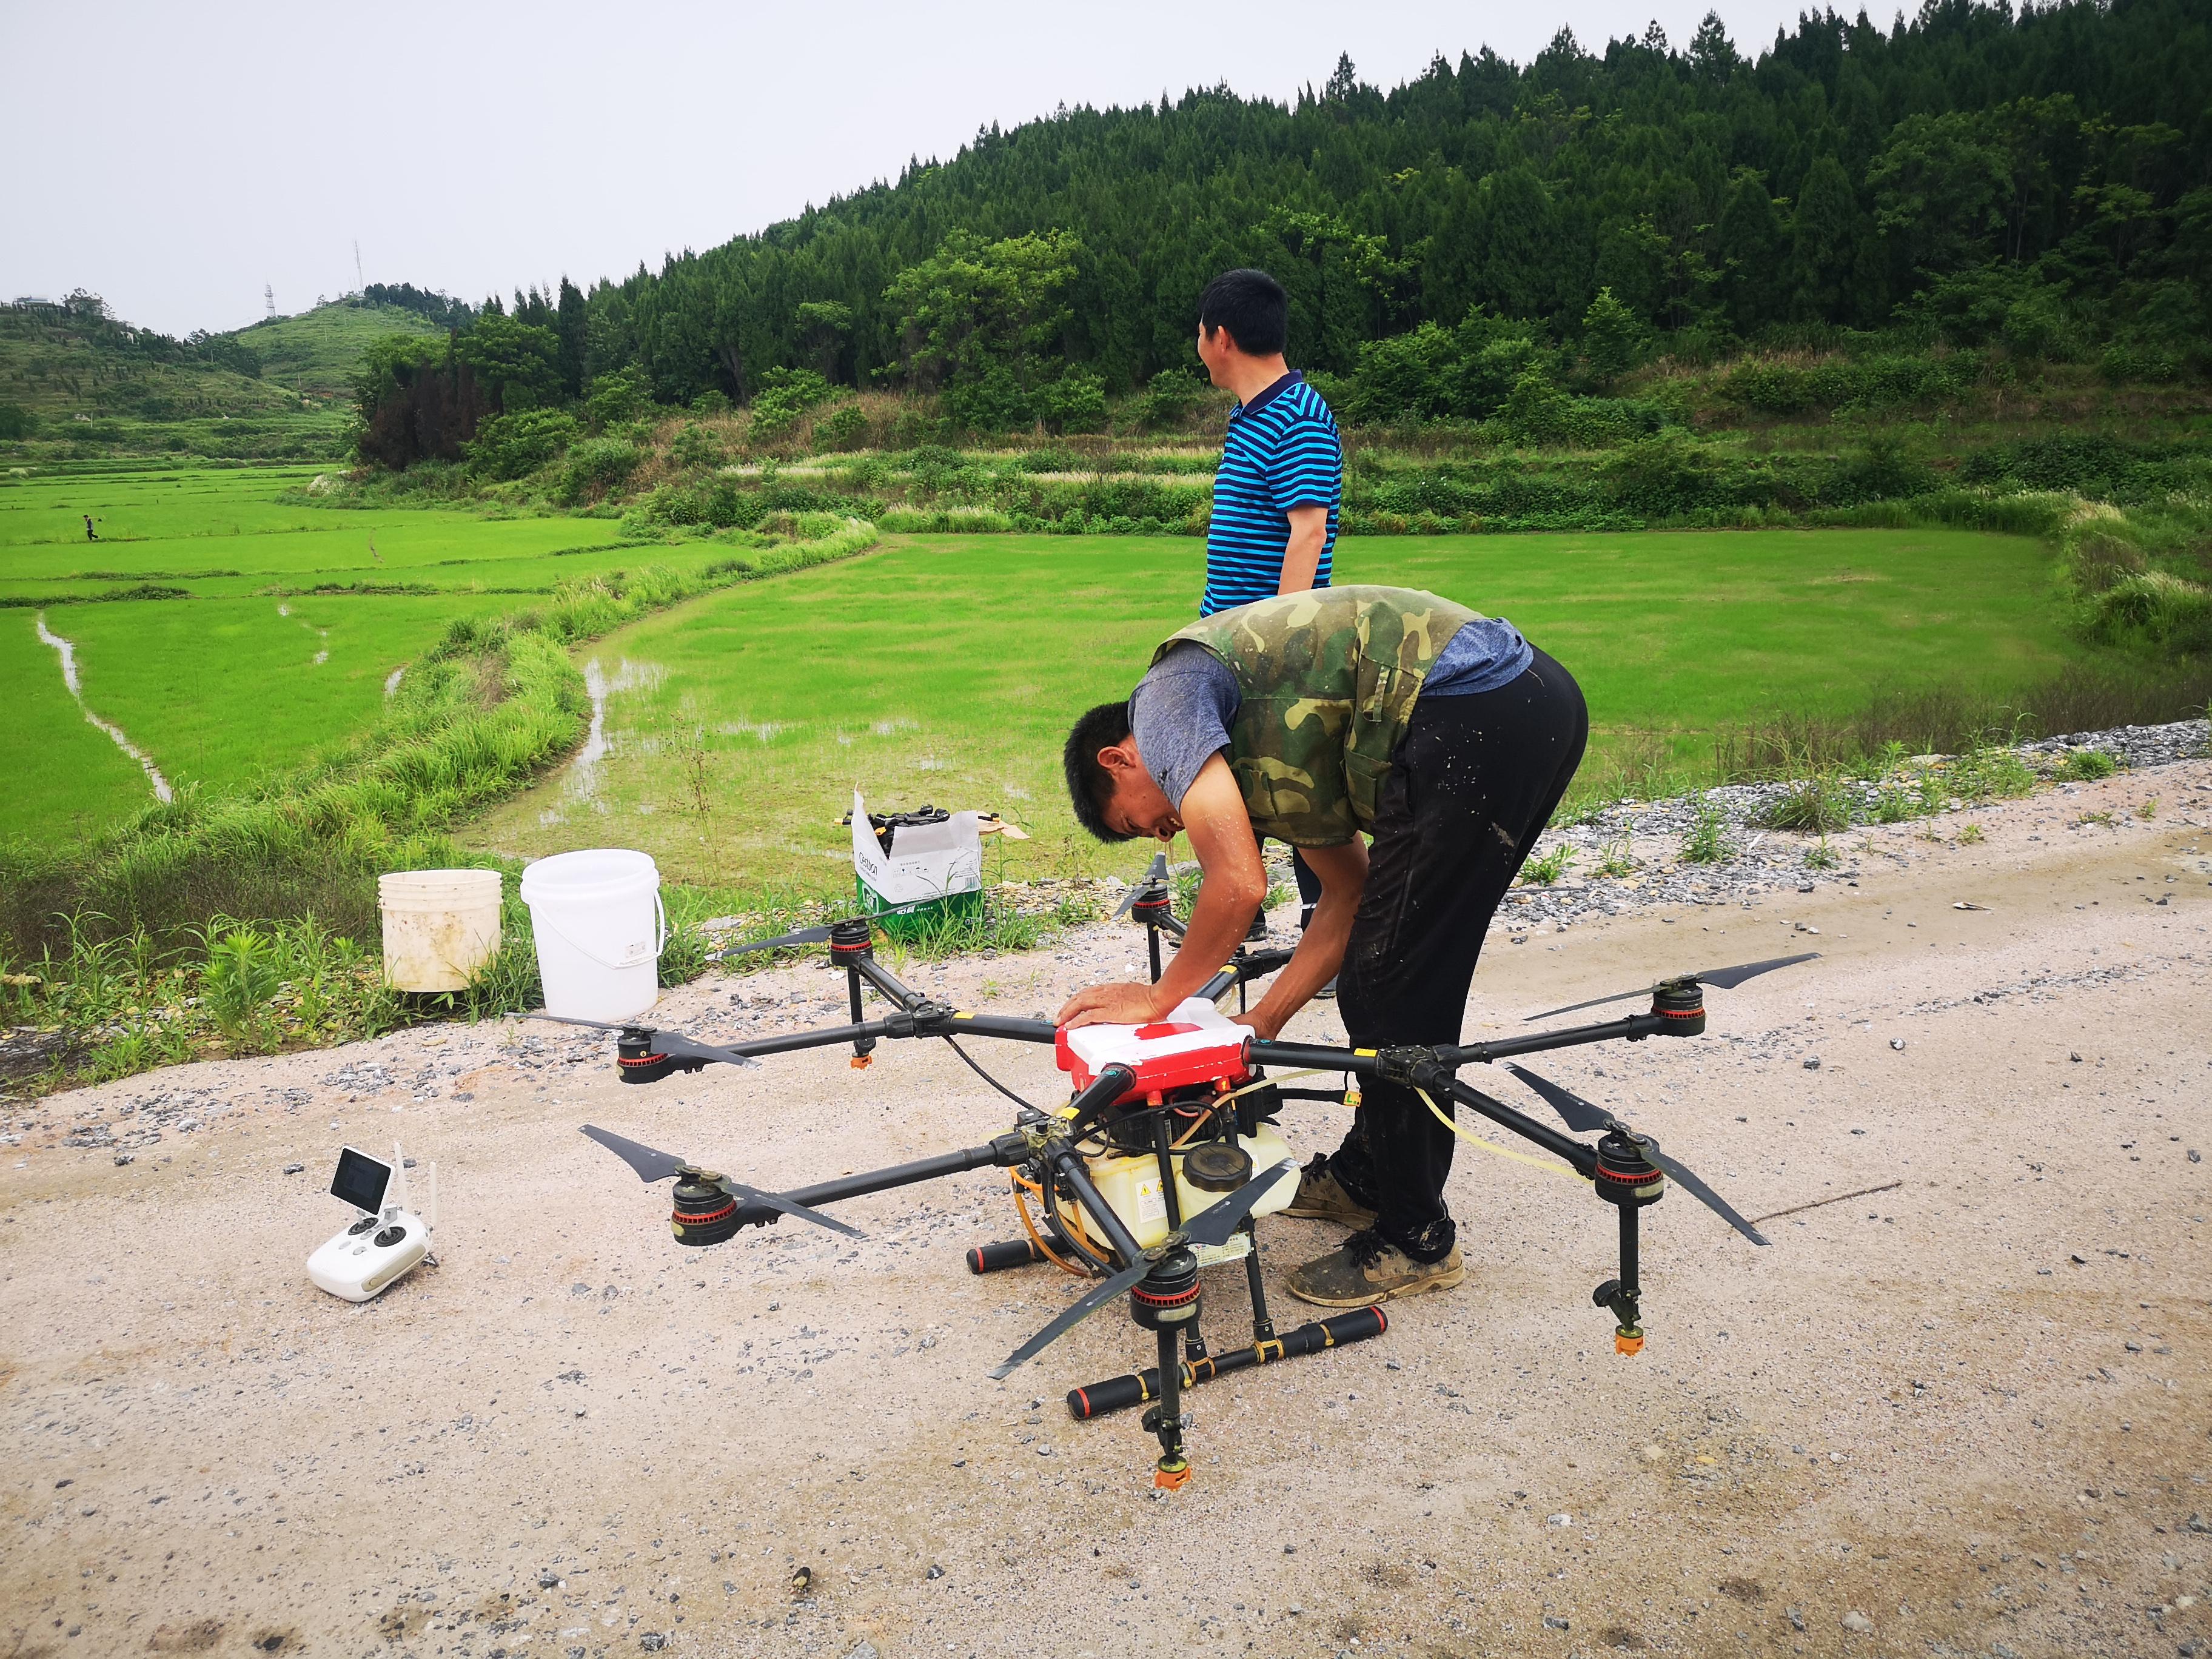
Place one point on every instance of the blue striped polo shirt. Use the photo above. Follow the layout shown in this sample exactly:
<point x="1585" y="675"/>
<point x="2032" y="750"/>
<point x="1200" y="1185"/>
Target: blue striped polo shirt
<point x="1280" y="452"/>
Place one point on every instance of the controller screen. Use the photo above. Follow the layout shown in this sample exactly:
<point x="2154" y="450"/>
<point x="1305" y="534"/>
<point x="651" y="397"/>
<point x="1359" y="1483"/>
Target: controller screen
<point x="360" y="1180"/>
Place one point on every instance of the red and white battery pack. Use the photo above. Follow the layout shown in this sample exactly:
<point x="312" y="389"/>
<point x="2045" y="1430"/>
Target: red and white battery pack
<point x="1196" y="1044"/>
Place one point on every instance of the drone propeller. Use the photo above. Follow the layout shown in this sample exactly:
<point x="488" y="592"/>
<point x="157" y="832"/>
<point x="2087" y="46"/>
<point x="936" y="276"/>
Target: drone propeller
<point x="1155" y="877"/>
<point x="780" y="942"/>
<point x="588" y="1025"/>
<point x="1211" y="1226"/>
<point x="652" y="1164"/>
<point x="1586" y="1117"/>
<point x="1720" y="979"/>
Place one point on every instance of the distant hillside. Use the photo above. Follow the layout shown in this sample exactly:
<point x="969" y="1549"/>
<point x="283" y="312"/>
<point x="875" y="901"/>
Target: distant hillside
<point x="73" y="357"/>
<point x="317" y="351"/>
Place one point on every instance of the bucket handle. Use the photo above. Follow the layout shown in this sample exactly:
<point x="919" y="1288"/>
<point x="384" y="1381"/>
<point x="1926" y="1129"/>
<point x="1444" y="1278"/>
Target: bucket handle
<point x="660" y="943"/>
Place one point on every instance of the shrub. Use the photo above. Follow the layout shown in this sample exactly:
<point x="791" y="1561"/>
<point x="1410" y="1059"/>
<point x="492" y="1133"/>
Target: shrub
<point x="842" y="428"/>
<point x="596" y="466"/>
<point x="785" y="395"/>
<point x="17" y="423"/>
<point x="514" y="445"/>
<point x="1076" y="402"/>
<point x="2124" y="362"/>
<point x="2161" y="609"/>
<point x="1166" y="402"/>
<point x="618" y="398"/>
<point x="697" y="445"/>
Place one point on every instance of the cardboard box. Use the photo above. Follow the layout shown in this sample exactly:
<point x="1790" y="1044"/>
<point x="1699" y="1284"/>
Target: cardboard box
<point x="934" y="872"/>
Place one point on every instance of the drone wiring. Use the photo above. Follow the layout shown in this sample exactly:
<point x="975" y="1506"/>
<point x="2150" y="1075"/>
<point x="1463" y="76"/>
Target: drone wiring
<point x="1488" y="1146"/>
<point x="1030" y="1226"/>
<point x="953" y="1044"/>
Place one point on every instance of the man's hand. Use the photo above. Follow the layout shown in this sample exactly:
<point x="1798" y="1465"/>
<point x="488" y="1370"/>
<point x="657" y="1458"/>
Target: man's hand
<point x="1111" y="1005"/>
<point x="1264" y="1027"/>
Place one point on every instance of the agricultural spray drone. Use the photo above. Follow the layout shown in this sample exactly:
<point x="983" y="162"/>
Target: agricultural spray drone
<point x="1165" y="1155"/>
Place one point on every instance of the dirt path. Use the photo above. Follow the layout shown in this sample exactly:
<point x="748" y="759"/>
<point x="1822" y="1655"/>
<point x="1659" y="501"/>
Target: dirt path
<point x="1966" y="1415"/>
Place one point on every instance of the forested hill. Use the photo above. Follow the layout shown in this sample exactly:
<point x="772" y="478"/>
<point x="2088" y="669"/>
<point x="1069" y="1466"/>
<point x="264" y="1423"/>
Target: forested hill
<point x="2049" y="168"/>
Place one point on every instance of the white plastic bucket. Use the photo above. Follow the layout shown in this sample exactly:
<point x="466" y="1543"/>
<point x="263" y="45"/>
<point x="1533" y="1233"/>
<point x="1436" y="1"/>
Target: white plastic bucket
<point x="601" y="929"/>
<point x="441" y="927"/>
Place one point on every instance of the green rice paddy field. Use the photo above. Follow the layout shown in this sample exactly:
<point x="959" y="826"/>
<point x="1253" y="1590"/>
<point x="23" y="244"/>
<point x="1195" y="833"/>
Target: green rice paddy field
<point x="937" y="668"/>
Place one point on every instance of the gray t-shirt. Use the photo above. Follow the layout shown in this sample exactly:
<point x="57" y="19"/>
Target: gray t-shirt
<point x="1182" y="710"/>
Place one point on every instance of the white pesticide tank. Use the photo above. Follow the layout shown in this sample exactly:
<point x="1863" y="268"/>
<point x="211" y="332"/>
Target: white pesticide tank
<point x="601" y="929"/>
<point x="1133" y="1189"/>
<point x="441" y="927"/>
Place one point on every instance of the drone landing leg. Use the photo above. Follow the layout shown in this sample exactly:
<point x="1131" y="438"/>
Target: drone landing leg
<point x="1172" y="1471"/>
<point x="1624" y="1295"/>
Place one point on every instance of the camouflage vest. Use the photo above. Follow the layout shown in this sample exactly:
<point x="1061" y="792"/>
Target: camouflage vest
<point x="1329" y="679"/>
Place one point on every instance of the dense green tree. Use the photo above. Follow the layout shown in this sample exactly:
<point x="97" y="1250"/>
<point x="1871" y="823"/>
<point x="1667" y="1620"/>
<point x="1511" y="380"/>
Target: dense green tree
<point x="1846" y="171"/>
<point x="572" y="327"/>
<point x="1747" y="249"/>
<point x="1823" y="238"/>
<point x="518" y="364"/>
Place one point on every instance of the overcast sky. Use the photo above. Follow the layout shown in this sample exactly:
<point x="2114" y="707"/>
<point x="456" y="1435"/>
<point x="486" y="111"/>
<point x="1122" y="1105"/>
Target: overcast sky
<point x="174" y="157"/>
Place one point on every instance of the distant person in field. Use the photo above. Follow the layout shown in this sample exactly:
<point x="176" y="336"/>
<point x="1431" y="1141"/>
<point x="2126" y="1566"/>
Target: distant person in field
<point x="90" y="535"/>
<point x="1281" y="478"/>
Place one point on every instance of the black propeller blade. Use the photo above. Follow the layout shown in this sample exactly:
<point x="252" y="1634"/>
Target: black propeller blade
<point x="1212" y="1226"/>
<point x="677" y="1046"/>
<point x="780" y="942"/>
<point x="1720" y="979"/>
<point x="588" y="1025"/>
<point x="1586" y="1117"/>
<point x="652" y="1164"/>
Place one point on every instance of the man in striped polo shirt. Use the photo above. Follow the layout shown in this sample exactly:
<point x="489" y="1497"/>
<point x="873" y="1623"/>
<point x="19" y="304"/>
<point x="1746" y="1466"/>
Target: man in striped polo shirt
<point x="1281" y="477"/>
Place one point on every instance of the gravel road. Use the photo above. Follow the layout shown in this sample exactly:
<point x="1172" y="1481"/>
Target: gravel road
<point x="1963" y="1414"/>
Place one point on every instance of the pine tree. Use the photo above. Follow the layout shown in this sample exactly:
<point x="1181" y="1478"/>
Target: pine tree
<point x="1824" y="234"/>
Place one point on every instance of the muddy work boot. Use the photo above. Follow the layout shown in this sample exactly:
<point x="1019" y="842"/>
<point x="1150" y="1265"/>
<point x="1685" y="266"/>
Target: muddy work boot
<point x="1367" y="1268"/>
<point x="1321" y="1197"/>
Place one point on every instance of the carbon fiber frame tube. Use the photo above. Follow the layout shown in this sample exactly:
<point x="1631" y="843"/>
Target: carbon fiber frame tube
<point x="1001" y="1025"/>
<point x="1135" y="1389"/>
<point x="876" y="1180"/>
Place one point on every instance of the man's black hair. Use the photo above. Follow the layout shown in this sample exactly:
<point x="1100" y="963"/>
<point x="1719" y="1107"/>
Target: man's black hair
<point x="1252" y="306"/>
<point x="1090" y="786"/>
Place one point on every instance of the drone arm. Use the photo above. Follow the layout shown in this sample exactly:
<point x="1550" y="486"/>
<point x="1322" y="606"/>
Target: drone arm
<point x="1580" y="1158"/>
<point x="997" y="1025"/>
<point x="1004" y="1152"/>
<point x="1633" y="1027"/>
<point x="1253" y="964"/>
<point x="1429" y="1069"/>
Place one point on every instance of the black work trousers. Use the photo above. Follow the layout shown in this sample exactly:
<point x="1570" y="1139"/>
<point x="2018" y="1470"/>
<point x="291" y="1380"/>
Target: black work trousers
<point x="1473" y="785"/>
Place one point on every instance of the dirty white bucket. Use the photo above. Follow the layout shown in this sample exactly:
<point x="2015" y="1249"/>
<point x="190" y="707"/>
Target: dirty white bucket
<point x="441" y="927"/>
<point x="601" y="929"/>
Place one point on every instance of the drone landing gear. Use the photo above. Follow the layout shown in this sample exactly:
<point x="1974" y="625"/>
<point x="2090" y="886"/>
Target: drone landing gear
<point x="1166" y="1381"/>
<point x="1164" y="1302"/>
<point x="1626" y="1179"/>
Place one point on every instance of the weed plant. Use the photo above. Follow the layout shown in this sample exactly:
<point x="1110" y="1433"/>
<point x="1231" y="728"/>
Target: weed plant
<point x="1547" y="868"/>
<point x="1706" y="842"/>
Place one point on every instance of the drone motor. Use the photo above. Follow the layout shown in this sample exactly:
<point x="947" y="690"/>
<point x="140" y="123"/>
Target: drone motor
<point x="703" y="1213"/>
<point x="1681" y="1004"/>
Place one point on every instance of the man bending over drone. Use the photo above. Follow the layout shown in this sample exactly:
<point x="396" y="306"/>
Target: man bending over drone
<point x="1316" y="718"/>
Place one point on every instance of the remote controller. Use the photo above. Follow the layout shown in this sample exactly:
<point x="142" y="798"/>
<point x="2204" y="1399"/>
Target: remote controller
<point x="385" y="1242"/>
